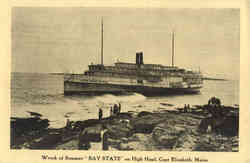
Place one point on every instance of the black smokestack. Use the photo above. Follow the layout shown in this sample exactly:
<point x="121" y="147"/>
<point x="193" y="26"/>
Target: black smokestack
<point x="139" y="58"/>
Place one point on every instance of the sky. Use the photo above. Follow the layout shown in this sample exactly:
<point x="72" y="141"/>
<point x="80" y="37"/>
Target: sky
<point x="67" y="39"/>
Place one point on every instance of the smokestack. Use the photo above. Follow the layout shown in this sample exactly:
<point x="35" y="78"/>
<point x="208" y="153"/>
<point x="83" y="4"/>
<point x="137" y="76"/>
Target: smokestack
<point x="139" y="58"/>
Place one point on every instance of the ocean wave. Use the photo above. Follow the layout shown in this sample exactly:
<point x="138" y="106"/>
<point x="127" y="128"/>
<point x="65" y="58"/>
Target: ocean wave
<point x="38" y="98"/>
<point x="109" y="98"/>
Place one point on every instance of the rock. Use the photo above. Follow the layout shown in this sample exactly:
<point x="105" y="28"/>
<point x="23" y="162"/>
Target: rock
<point x="144" y="113"/>
<point x="143" y="127"/>
<point x="138" y="137"/>
<point x="203" y="127"/>
<point x="25" y="146"/>
<point x="235" y="139"/>
<point x="89" y="134"/>
<point x="166" y="104"/>
<point x="230" y="126"/>
<point x="235" y="149"/>
<point x="124" y="140"/>
<point x="115" y="143"/>
<point x="125" y="115"/>
<point x="80" y="125"/>
<point x="24" y="126"/>
<point x="185" y="143"/>
<point x="125" y="147"/>
<point x="136" y="146"/>
<point x="24" y="129"/>
<point x="145" y="124"/>
<point x="166" y="134"/>
<point x="227" y="125"/>
<point x="119" y="129"/>
<point x="70" y="145"/>
<point x="134" y="137"/>
<point x="47" y="142"/>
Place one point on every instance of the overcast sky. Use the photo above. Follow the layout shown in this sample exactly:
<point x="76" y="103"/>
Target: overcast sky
<point x="68" y="39"/>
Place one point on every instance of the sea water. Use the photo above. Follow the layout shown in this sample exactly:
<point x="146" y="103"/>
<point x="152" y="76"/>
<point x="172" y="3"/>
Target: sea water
<point x="43" y="93"/>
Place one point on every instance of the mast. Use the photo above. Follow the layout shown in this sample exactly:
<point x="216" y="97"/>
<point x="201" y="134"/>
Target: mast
<point x="102" y="43"/>
<point x="173" y="50"/>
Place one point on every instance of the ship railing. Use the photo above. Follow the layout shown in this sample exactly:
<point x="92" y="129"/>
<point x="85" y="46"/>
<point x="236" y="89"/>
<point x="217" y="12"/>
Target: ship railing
<point x="80" y="78"/>
<point x="90" y="79"/>
<point x="94" y="79"/>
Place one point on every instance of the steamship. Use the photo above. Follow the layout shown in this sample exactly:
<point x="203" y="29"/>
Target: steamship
<point x="138" y="77"/>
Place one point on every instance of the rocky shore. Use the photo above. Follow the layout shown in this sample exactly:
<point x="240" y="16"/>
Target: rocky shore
<point x="198" y="128"/>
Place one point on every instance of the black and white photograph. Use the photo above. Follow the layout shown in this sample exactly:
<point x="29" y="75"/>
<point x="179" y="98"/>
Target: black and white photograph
<point x="125" y="79"/>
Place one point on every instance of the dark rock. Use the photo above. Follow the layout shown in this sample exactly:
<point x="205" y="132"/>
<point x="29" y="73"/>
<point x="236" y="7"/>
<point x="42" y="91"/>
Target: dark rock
<point x="119" y="129"/>
<point x="114" y="142"/>
<point x="143" y="127"/>
<point x="228" y="125"/>
<point x="203" y="127"/>
<point x="142" y="143"/>
<point x="144" y="113"/>
<point x="126" y="146"/>
<point x="166" y="134"/>
<point x="90" y="134"/>
<point x="23" y="129"/>
<point x="47" y="142"/>
<point x="139" y="137"/>
<point x="166" y="104"/>
<point x="145" y="124"/>
<point x="125" y="115"/>
<point x="22" y="126"/>
<point x="81" y="125"/>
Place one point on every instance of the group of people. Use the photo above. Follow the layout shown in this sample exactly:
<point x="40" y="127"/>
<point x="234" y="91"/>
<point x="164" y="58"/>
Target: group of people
<point x="186" y="108"/>
<point x="214" y="105"/>
<point x="115" y="110"/>
<point x="100" y="113"/>
<point x="215" y="102"/>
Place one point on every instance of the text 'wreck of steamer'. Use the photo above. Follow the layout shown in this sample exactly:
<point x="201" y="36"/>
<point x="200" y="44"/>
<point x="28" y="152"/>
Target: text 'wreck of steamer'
<point x="123" y="77"/>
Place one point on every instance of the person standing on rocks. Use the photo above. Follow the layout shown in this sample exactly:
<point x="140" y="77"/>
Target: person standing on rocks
<point x="111" y="111"/>
<point x="115" y="109"/>
<point x="188" y="108"/>
<point x="100" y="114"/>
<point x="119" y="108"/>
<point x="67" y="122"/>
<point x="218" y="102"/>
<point x="185" y="108"/>
<point x="214" y="105"/>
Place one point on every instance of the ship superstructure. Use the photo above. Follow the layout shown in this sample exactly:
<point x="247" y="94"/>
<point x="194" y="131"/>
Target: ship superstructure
<point x="122" y="77"/>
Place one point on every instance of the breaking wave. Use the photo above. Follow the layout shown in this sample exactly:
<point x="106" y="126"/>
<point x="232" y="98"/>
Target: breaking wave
<point x="108" y="98"/>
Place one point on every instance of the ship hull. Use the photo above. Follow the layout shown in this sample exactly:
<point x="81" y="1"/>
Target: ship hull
<point x="80" y="88"/>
